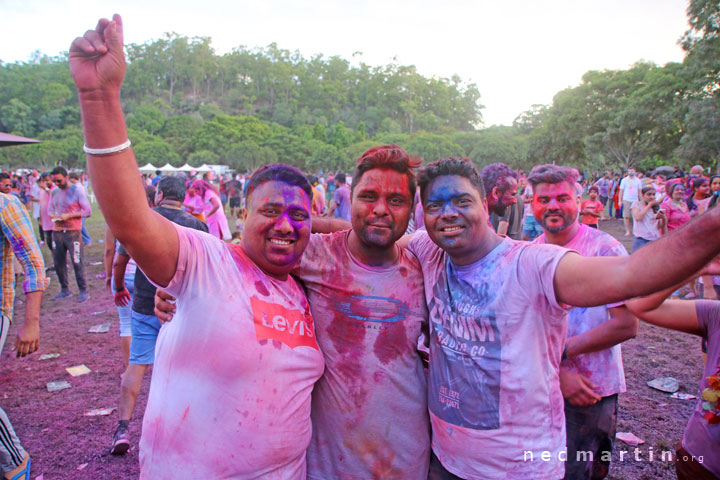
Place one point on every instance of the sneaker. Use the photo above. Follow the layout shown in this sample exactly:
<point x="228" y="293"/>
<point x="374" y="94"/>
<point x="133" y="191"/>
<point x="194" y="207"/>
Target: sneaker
<point x="121" y="441"/>
<point x="83" y="297"/>
<point x="62" y="294"/>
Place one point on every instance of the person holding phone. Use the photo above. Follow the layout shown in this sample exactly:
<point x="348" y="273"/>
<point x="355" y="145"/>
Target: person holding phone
<point x="649" y="220"/>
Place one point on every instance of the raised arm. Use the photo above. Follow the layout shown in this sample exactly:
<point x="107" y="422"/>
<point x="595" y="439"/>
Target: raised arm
<point x="97" y="64"/>
<point x="591" y="281"/>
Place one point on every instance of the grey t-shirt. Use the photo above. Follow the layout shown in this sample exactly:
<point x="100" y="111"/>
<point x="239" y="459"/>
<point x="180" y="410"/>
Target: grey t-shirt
<point x="144" y="296"/>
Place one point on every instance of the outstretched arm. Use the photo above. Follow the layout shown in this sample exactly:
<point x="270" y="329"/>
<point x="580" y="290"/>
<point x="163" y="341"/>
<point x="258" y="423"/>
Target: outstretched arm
<point x="97" y="64"/>
<point x="590" y="281"/>
<point x="679" y="315"/>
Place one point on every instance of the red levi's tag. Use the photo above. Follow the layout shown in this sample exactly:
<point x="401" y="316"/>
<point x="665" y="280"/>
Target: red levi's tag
<point x="275" y="322"/>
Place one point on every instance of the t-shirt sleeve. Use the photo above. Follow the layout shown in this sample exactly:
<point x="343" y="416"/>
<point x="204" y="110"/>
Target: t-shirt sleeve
<point x="537" y="267"/>
<point x="201" y="257"/>
<point x="708" y="314"/>
<point x="421" y="246"/>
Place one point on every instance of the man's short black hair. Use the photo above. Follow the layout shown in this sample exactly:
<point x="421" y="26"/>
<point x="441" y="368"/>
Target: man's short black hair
<point x="59" y="171"/>
<point x="340" y="178"/>
<point x="172" y="188"/>
<point x="278" y="172"/>
<point x="44" y="175"/>
<point x="459" y="166"/>
<point x="4" y="175"/>
<point x="158" y="172"/>
<point x="74" y="175"/>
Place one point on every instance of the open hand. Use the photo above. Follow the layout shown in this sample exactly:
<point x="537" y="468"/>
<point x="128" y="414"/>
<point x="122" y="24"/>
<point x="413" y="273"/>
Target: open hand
<point x="97" y="60"/>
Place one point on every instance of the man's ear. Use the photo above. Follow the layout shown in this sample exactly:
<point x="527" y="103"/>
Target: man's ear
<point x="244" y="214"/>
<point x="496" y="193"/>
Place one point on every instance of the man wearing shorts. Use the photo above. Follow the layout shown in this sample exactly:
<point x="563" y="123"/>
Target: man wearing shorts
<point x="591" y="372"/>
<point x="143" y="323"/>
<point x="630" y="187"/>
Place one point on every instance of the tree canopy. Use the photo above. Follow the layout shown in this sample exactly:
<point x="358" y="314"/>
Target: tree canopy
<point x="185" y="103"/>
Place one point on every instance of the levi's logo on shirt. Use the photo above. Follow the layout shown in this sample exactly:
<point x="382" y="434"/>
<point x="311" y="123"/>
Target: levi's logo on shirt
<point x="275" y="322"/>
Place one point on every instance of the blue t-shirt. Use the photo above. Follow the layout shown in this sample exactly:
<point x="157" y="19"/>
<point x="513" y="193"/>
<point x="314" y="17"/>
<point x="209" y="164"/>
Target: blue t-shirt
<point x="341" y="197"/>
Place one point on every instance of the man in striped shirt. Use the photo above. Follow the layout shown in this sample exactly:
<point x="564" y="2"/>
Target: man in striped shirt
<point x="18" y="239"/>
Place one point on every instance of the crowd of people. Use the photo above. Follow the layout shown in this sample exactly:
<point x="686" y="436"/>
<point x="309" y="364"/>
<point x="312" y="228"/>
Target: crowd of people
<point x="441" y="322"/>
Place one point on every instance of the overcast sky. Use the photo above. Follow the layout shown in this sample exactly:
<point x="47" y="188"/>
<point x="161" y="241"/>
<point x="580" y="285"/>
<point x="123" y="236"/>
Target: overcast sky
<point x="518" y="53"/>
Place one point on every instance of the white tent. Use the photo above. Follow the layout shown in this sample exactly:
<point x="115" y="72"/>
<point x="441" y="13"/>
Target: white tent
<point x="148" y="168"/>
<point x="168" y="168"/>
<point x="185" y="168"/>
<point x="203" y="168"/>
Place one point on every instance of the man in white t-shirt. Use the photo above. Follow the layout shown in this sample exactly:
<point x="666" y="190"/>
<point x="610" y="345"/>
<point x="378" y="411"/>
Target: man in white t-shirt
<point x="630" y="187"/>
<point x="591" y="372"/>
<point x="498" y="321"/>
<point x="230" y="394"/>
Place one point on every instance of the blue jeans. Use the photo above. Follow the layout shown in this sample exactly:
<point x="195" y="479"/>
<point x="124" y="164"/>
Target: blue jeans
<point x="639" y="242"/>
<point x="85" y="235"/>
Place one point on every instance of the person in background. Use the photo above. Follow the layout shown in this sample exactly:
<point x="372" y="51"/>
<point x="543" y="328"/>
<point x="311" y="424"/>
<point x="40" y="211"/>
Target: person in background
<point x="676" y="209"/>
<point x="603" y="185"/>
<point x="699" y="198"/>
<point x="501" y="184"/>
<point x="6" y="183"/>
<point x="697" y="456"/>
<point x="531" y="227"/>
<point x="74" y="178"/>
<point x="46" y="224"/>
<point x="714" y="190"/>
<point x="318" y="200"/>
<point x="33" y="197"/>
<point x="18" y="241"/>
<point x="649" y="219"/>
<point x="630" y="187"/>
<point x="340" y="205"/>
<point x="214" y="214"/>
<point x="144" y="325"/>
<point x="124" y="331"/>
<point x="68" y="205"/>
<point x="591" y="209"/>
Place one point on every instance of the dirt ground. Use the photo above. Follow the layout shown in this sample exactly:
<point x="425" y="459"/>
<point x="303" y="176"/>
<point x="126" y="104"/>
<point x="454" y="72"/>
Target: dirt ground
<point x="65" y="444"/>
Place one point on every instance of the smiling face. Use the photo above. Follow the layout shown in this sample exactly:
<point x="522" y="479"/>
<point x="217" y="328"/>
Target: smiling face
<point x="678" y="193"/>
<point x="381" y="206"/>
<point x="456" y="216"/>
<point x="277" y="227"/>
<point x="555" y="206"/>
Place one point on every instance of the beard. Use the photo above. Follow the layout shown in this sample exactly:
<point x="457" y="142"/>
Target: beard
<point x="567" y="221"/>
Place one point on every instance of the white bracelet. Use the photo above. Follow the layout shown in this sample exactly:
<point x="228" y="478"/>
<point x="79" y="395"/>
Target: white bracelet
<point x="107" y="151"/>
